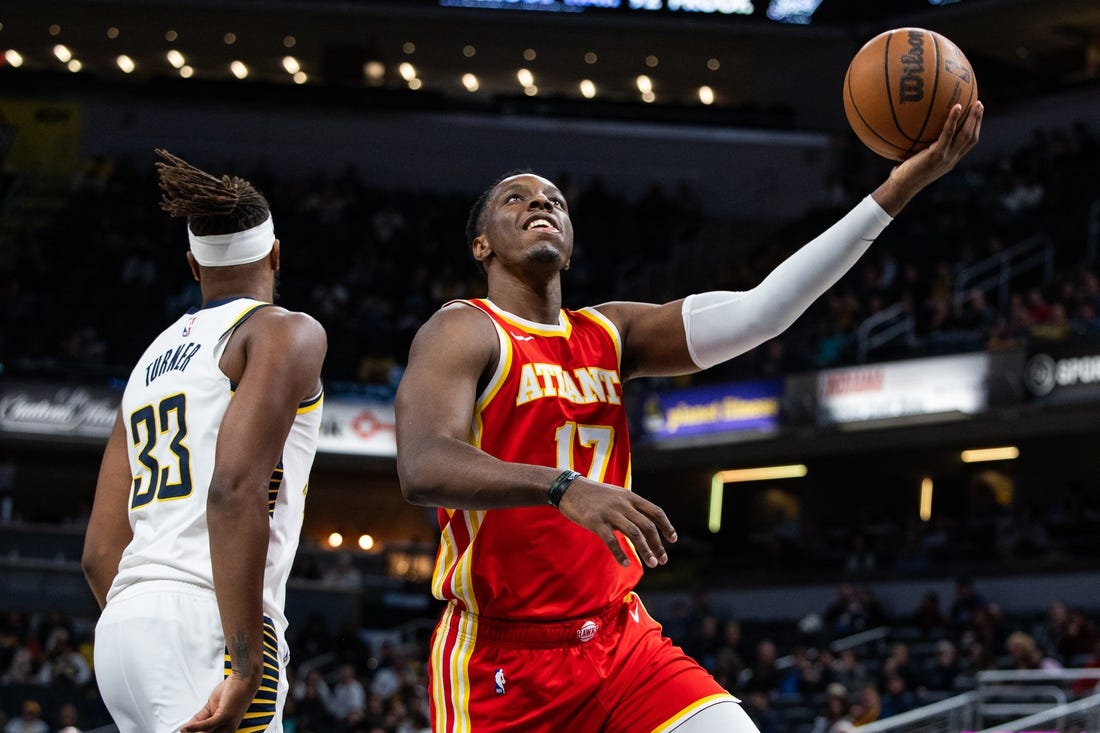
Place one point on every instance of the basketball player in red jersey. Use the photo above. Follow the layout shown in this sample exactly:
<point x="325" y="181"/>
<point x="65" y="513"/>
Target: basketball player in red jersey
<point x="510" y="420"/>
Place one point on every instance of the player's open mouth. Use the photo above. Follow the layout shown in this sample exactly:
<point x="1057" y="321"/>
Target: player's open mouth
<point x="541" y="223"/>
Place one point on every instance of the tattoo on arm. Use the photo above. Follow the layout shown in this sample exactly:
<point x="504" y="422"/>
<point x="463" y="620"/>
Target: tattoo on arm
<point x="242" y="660"/>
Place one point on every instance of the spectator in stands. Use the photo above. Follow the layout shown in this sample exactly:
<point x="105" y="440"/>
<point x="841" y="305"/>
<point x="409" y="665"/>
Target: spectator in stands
<point x="899" y="663"/>
<point x="759" y="708"/>
<point x="343" y="575"/>
<point x="1080" y="637"/>
<point x="68" y="718"/>
<point x="942" y="671"/>
<point x="848" y="670"/>
<point x="312" y="697"/>
<point x="1026" y="654"/>
<point x="834" y="716"/>
<point x="897" y="696"/>
<point x="764" y="674"/>
<point x="966" y="605"/>
<point x="868" y="706"/>
<point x="30" y="721"/>
<point x="348" y="702"/>
<point x="64" y="666"/>
<point x="929" y="615"/>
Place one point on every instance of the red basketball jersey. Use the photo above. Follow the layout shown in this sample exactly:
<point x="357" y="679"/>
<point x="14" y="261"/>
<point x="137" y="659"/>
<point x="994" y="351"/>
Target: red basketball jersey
<point x="554" y="399"/>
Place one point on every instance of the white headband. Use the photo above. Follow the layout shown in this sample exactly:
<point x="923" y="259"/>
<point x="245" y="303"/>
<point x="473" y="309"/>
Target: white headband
<point x="238" y="248"/>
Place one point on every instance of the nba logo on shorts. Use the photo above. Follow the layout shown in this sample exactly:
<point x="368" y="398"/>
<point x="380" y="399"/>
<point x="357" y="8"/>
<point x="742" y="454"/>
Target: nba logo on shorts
<point x="498" y="681"/>
<point x="187" y="328"/>
<point x="588" y="631"/>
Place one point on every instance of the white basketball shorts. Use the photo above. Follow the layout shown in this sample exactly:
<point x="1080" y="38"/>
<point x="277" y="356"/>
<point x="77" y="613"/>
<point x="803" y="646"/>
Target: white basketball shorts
<point x="159" y="652"/>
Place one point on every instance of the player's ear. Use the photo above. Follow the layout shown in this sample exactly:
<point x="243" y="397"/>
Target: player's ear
<point x="194" y="265"/>
<point x="481" y="249"/>
<point x="275" y="256"/>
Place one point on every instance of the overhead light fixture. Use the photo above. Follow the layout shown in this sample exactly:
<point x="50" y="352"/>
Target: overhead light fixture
<point x="62" y="52"/>
<point x="171" y="36"/>
<point x="645" y="84"/>
<point x="238" y="69"/>
<point x="291" y="65"/>
<point x="415" y="84"/>
<point x="74" y="65"/>
<point x="407" y="71"/>
<point x="525" y="77"/>
<point x="176" y="58"/>
<point x="979" y="455"/>
<point x="531" y="90"/>
<point x="374" y="71"/>
<point x="366" y="542"/>
<point x="409" y="48"/>
<point x="112" y="33"/>
<point x="588" y="89"/>
<point x="125" y="63"/>
<point x="14" y="58"/>
<point x="335" y="539"/>
<point x="591" y="57"/>
<point x="470" y="82"/>
<point x="54" y="29"/>
<point x="230" y="38"/>
<point x="469" y="51"/>
<point x="714" y="64"/>
<point x="300" y="77"/>
<point x="186" y="71"/>
<point x="706" y="95"/>
<point x="529" y="54"/>
<point x="925" y="499"/>
<point x="651" y="61"/>
<point x="648" y="97"/>
<point x="737" y="475"/>
<point x="289" y="41"/>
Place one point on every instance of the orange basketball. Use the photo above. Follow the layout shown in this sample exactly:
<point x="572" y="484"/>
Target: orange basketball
<point x="900" y="87"/>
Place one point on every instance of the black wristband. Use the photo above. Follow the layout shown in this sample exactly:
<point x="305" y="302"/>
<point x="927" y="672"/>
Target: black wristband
<point x="557" y="489"/>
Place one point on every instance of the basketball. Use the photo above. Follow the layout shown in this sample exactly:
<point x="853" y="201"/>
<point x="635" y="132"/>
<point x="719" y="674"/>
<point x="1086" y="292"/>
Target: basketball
<point x="900" y="88"/>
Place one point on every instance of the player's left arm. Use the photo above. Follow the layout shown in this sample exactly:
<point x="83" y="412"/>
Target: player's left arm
<point x="705" y="329"/>
<point x="109" y="525"/>
<point x="283" y="355"/>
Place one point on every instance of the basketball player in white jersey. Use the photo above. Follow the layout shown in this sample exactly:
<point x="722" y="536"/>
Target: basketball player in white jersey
<point x="202" y="487"/>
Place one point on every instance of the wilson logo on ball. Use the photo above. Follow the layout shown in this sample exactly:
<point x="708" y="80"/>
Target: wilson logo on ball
<point x="911" y="84"/>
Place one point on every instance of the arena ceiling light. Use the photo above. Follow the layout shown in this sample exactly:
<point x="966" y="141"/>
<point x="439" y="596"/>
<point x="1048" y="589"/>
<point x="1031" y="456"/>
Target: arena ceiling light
<point x="176" y="58"/>
<point x="238" y="69"/>
<point x="525" y="78"/>
<point x="706" y="95"/>
<point x="14" y="58"/>
<point x="407" y="71"/>
<point x="737" y="475"/>
<point x="470" y="82"/>
<point x="979" y="455"/>
<point x="126" y="64"/>
<point x="588" y="88"/>
<point x="291" y="65"/>
<point x="62" y="52"/>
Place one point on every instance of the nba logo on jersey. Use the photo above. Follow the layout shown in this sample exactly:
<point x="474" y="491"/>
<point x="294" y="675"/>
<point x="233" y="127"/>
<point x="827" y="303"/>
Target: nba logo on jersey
<point x="498" y="681"/>
<point x="187" y="328"/>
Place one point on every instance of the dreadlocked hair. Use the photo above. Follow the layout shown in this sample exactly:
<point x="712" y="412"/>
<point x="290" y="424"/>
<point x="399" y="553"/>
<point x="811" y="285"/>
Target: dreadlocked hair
<point x="212" y="205"/>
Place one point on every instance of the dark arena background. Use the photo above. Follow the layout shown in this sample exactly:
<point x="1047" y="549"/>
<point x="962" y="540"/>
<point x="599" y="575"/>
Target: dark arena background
<point x="889" y="515"/>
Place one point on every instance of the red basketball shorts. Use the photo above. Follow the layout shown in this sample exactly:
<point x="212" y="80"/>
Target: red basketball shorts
<point x="610" y="673"/>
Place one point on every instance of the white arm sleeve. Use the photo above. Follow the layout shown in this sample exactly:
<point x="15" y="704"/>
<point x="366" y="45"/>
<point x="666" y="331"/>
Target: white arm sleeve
<point x="720" y="325"/>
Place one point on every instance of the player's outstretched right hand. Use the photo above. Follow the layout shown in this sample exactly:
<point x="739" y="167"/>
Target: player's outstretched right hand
<point x="603" y="509"/>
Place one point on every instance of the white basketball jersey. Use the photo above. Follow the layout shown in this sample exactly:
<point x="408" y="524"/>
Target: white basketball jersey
<point x="172" y="410"/>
